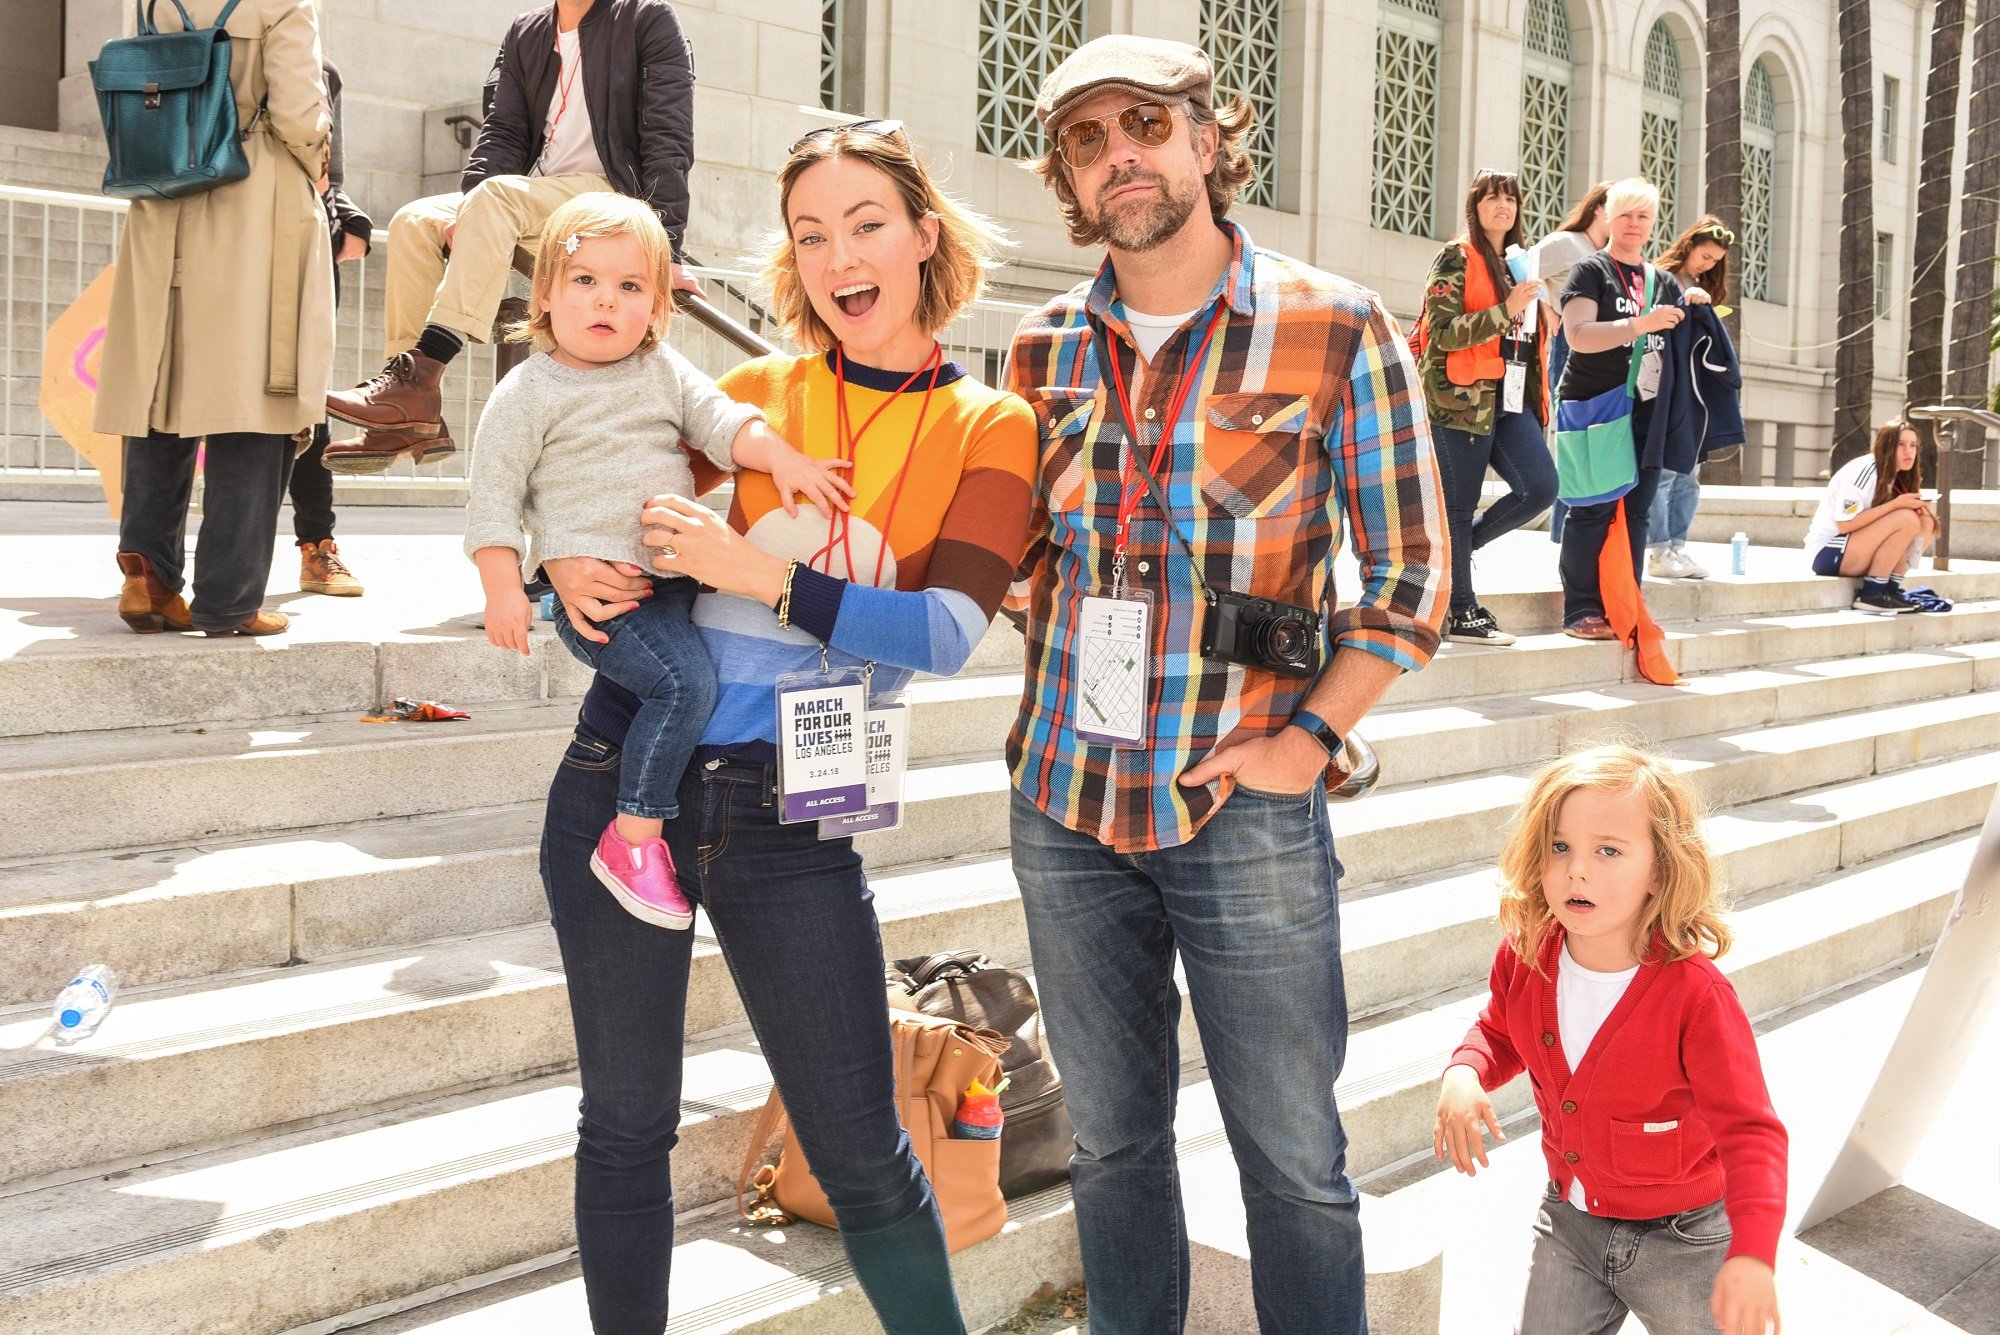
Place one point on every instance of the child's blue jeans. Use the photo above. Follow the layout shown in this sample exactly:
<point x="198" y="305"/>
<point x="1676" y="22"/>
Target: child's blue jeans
<point x="656" y="653"/>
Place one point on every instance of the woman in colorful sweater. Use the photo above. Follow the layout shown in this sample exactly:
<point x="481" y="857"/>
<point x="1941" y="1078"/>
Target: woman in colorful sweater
<point x="1487" y="390"/>
<point x="875" y="261"/>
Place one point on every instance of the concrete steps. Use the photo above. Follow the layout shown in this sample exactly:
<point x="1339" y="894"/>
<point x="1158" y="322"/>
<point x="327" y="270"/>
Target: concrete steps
<point x="339" y="1081"/>
<point x="477" y="1182"/>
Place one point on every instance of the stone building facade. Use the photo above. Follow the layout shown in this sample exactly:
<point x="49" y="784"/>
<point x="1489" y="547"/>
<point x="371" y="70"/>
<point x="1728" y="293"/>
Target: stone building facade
<point x="1375" y="111"/>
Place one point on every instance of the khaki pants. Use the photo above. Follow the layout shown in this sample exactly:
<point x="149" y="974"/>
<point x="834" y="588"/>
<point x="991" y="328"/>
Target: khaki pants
<point x="464" y="292"/>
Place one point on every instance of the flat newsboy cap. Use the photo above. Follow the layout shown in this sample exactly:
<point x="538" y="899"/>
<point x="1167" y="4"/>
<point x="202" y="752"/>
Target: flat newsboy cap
<point x="1146" y="67"/>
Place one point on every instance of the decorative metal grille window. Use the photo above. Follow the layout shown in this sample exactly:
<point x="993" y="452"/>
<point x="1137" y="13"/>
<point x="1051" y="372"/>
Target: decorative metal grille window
<point x="829" y="53"/>
<point x="1891" y="94"/>
<point x="1885" y="260"/>
<point x="1760" y="180"/>
<point x="1660" y="131"/>
<point x="1547" y="75"/>
<point x="1020" y="41"/>
<point x="1407" y="46"/>
<point x="1245" y="38"/>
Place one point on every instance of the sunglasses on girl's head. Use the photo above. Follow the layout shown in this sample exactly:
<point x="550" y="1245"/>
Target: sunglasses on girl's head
<point x="1720" y="233"/>
<point x="1147" y="124"/>
<point x="878" y="127"/>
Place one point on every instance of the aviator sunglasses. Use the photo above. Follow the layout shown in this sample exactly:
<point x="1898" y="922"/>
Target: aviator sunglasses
<point x="1148" y="124"/>
<point x="886" y="129"/>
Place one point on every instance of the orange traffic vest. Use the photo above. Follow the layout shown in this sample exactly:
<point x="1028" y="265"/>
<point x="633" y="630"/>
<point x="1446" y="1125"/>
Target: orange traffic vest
<point x="1469" y="366"/>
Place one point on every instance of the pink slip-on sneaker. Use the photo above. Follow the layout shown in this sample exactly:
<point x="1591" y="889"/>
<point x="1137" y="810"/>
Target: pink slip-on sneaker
<point x="642" y="877"/>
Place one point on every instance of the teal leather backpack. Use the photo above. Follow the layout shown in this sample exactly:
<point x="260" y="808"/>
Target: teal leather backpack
<point x="169" y="112"/>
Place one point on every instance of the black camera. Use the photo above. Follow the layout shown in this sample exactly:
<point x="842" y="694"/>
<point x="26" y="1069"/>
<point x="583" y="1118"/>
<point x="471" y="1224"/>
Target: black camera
<point x="1259" y="633"/>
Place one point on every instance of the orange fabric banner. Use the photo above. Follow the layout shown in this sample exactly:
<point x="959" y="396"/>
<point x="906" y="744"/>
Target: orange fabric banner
<point x="1625" y="605"/>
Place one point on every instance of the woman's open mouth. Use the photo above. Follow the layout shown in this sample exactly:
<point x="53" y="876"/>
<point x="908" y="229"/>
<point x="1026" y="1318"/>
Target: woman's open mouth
<point x="856" y="299"/>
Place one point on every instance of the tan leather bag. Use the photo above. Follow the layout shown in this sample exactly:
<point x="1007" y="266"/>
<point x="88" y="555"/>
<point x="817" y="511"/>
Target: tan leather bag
<point x="936" y="1059"/>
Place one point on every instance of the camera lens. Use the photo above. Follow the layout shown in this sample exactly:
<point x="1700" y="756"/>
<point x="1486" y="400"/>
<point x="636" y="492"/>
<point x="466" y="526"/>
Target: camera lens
<point x="1284" y="638"/>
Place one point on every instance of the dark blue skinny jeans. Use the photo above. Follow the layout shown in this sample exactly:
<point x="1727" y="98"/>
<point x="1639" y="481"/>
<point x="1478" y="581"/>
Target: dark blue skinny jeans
<point x="657" y="654"/>
<point x="796" y="922"/>
<point x="1519" y="452"/>
<point x="1251" y="905"/>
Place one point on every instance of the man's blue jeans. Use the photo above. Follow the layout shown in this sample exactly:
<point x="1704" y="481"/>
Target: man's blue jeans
<point x="656" y="653"/>
<point x="1672" y="514"/>
<point x="796" y="922"/>
<point x="1251" y="905"/>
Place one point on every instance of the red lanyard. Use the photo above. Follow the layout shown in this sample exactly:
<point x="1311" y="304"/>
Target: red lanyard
<point x="839" y="524"/>
<point x="563" y="89"/>
<point x="1128" y="496"/>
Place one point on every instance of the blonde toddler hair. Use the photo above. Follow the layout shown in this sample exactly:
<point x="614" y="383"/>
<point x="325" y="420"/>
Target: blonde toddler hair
<point x="586" y="217"/>
<point x="1686" y="904"/>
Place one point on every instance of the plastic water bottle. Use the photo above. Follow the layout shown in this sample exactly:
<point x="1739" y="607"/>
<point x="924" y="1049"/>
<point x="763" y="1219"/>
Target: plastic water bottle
<point x="82" y="1005"/>
<point x="1739" y="550"/>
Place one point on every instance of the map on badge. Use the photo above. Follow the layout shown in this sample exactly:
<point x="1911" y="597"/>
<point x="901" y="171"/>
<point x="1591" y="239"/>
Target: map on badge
<point x="1111" y="670"/>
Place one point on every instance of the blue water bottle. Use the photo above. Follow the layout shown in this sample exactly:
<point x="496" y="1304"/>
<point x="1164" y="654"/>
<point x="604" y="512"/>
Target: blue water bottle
<point x="1739" y="549"/>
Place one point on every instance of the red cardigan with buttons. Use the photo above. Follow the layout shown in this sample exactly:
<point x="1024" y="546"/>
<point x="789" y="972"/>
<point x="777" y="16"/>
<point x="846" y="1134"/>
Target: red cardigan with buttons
<point x="1667" y="1111"/>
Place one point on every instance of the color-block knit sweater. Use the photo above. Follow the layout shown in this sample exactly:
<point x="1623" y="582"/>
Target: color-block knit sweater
<point x="955" y="521"/>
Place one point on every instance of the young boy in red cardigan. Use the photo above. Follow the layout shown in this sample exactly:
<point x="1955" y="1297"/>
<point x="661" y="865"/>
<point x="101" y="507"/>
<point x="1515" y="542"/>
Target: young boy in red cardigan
<point x="1666" y="1161"/>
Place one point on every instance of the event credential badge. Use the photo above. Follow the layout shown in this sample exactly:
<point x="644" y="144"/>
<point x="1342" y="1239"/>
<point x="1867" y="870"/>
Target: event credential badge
<point x="888" y="760"/>
<point x="1110" y="685"/>
<point x="822" y="753"/>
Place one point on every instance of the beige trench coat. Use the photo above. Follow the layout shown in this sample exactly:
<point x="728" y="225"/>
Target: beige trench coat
<point x="222" y="310"/>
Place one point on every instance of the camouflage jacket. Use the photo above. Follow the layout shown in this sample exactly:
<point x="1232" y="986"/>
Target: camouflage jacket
<point x="1469" y="408"/>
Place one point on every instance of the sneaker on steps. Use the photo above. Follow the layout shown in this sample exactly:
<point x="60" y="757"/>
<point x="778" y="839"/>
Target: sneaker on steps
<point x="1694" y="568"/>
<point x="1887" y="601"/>
<point x="1475" y="625"/>
<point x="1671" y="563"/>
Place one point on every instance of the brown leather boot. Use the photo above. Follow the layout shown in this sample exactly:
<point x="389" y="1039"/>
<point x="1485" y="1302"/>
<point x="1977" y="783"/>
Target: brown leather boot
<point x="404" y="393"/>
<point x="147" y="605"/>
<point x="321" y="571"/>
<point x="260" y="623"/>
<point x="381" y="446"/>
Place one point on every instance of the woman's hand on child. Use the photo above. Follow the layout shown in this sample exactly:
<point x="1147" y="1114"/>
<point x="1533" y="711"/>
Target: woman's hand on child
<point x="1745" y="1301"/>
<point x="818" y="479"/>
<point x="691" y="539"/>
<point x="507" y="618"/>
<point x="592" y="591"/>
<point x="1462" y="1109"/>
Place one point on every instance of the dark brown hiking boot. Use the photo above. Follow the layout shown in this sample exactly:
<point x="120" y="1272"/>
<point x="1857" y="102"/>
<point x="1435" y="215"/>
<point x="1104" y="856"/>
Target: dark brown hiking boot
<point x="321" y="571"/>
<point x="147" y="605"/>
<point x="404" y="393"/>
<point x="382" y="446"/>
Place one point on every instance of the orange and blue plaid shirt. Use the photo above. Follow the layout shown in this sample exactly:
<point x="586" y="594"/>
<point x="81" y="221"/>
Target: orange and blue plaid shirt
<point x="1306" y="409"/>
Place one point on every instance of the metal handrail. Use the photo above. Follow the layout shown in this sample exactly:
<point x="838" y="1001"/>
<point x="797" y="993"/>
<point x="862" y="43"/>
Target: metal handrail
<point x="723" y="325"/>
<point x="1948" y="418"/>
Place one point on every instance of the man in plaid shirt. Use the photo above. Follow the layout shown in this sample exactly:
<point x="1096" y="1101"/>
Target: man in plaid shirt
<point x="1288" y="403"/>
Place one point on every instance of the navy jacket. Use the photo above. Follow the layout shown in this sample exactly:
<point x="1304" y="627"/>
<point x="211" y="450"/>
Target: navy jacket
<point x="1698" y="409"/>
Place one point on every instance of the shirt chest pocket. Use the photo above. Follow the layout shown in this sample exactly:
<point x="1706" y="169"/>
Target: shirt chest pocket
<point x="1256" y="453"/>
<point x="1648" y="1153"/>
<point x="1064" y="418"/>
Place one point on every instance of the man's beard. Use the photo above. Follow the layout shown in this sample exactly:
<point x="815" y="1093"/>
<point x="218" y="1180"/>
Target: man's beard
<point x="1137" y="227"/>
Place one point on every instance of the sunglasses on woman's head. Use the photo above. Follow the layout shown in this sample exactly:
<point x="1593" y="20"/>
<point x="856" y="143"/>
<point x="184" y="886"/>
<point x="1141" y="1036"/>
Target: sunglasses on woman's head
<point x="1082" y="142"/>
<point x="884" y="128"/>
<point x="1720" y="233"/>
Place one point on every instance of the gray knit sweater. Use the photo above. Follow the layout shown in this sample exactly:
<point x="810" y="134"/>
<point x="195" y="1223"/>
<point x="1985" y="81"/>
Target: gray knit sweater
<point x="568" y="458"/>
